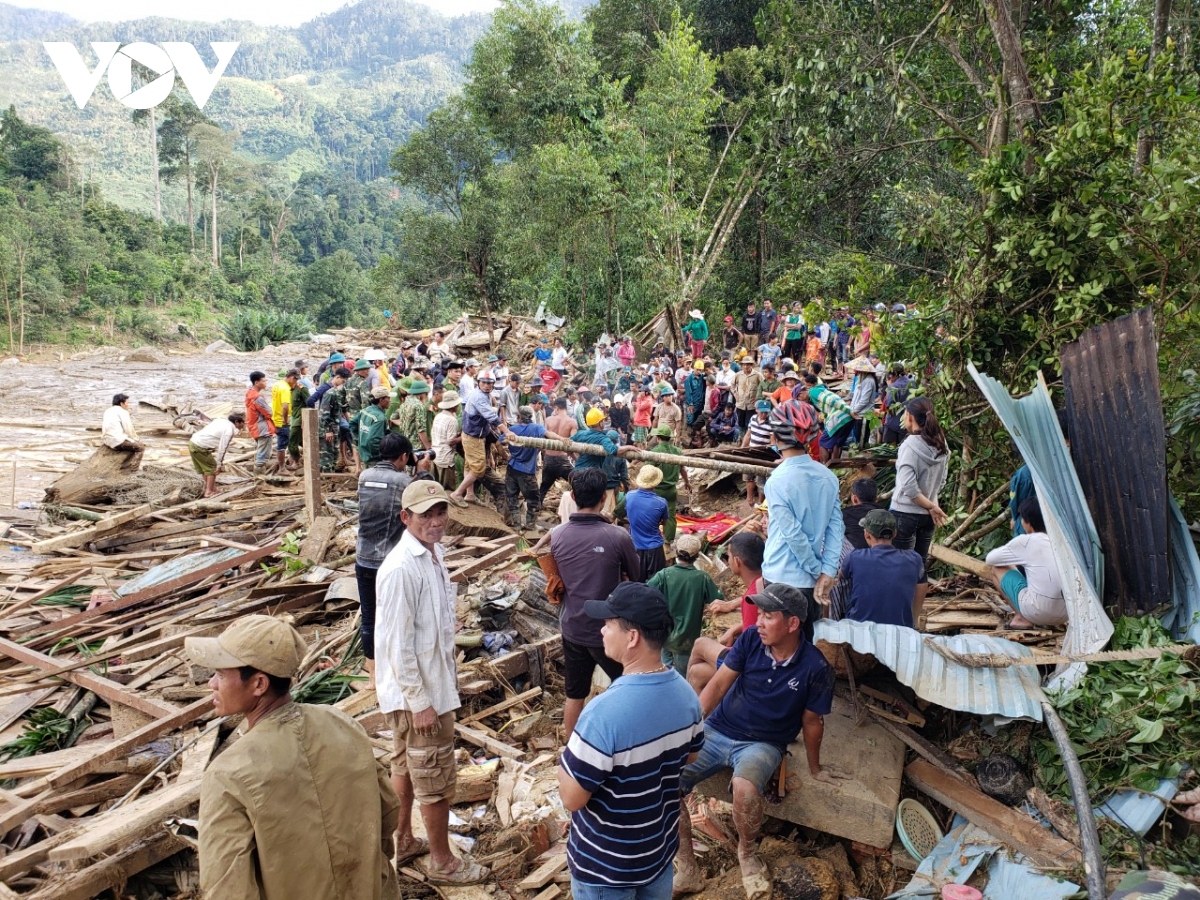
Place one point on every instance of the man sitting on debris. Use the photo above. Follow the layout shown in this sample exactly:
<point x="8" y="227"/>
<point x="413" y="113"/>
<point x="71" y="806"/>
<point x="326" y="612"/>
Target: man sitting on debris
<point x="619" y="774"/>
<point x="417" y="681"/>
<point x="116" y="428"/>
<point x="593" y="557"/>
<point x="298" y="806"/>
<point x="880" y="583"/>
<point x="208" y="446"/>
<point x="773" y="684"/>
<point x="1025" y="572"/>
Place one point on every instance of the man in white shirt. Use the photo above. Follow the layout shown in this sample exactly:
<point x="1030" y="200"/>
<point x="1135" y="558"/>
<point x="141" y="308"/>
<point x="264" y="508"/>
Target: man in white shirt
<point x="559" y="356"/>
<point x="417" y="682"/>
<point x="117" y="427"/>
<point x="446" y="435"/>
<point x="208" y="446"/>
<point x="467" y="382"/>
<point x="1026" y="573"/>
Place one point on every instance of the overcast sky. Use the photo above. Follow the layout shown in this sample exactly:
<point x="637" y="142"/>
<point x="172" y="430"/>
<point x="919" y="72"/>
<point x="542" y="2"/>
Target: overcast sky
<point x="264" y="12"/>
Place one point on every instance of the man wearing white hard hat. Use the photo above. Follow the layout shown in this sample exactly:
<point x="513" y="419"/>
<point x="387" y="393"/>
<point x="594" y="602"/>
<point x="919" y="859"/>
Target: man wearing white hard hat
<point x="297" y="806"/>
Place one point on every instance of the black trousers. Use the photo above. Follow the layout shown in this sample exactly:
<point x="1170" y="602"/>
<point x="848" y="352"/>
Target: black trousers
<point x="366" y="603"/>
<point x="518" y="485"/>
<point x="553" y="468"/>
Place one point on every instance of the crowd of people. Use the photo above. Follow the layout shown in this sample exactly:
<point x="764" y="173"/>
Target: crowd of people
<point x="428" y="432"/>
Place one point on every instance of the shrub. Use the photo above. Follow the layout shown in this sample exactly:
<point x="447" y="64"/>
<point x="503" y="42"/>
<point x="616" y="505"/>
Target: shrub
<point x="253" y="329"/>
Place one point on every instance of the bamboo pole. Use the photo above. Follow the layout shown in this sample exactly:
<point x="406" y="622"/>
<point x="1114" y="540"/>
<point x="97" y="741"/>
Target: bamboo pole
<point x="667" y="459"/>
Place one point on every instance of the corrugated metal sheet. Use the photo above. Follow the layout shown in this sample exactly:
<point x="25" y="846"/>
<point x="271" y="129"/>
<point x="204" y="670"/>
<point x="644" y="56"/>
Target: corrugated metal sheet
<point x="1033" y="425"/>
<point x="177" y="568"/>
<point x="1119" y="443"/>
<point x="1184" y="616"/>
<point x="1012" y="692"/>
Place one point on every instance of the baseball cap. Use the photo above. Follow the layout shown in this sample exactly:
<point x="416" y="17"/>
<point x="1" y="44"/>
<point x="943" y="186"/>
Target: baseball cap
<point x="261" y="642"/>
<point x="421" y="495"/>
<point x="763" y="405"/>
<point x="635" y="602"/>
<point x="880" y="522"/>
<point x="379" y="392"/>
<point x="594" y="417"/>
<point x="782" y="598"/>
<point x="688" y="543"/>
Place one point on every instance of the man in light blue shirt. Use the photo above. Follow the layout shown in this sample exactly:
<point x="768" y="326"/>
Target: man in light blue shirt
<point x="805" y="530"/>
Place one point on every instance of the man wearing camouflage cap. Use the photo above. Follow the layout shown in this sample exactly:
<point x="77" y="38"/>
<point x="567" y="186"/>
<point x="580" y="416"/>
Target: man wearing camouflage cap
<point x="879" y="584"/>
<point x="297" y="806"/>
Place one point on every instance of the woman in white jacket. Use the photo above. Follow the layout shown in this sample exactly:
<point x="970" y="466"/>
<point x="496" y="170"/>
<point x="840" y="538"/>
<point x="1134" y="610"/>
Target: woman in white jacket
<point x="920" y="476"/>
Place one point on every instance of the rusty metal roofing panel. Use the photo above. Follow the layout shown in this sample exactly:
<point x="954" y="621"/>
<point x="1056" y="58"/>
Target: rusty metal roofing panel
<point x="1033" y="425"/>
<point x="1119" y="443"/>
<point x="1013" y="692"/>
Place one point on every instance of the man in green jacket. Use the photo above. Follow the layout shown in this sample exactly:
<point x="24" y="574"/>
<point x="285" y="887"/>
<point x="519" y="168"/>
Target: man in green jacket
<point x="695" y="333"/>
<point x="671" y="474"/>
<point x="369" y="426"/>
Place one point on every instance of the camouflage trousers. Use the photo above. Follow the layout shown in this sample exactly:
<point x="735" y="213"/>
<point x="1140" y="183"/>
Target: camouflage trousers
<point x="329" y="454"/>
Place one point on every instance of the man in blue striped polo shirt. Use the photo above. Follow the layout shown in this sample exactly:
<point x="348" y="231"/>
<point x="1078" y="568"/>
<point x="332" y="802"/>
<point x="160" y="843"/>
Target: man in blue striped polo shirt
<point x="619" y="775"/>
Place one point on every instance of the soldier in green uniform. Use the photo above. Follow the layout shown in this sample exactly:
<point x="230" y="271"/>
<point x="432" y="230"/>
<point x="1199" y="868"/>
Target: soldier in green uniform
<point x="369" y="425"/>
<point x="410" y="418"/>
<point x="667" y="488"/>
<point x="358" y="395"/>
<point x="300" y="395"/>
<point x="333" y="407"/>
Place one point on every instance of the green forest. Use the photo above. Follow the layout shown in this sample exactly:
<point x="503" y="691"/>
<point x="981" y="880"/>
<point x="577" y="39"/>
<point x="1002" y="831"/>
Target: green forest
<point x="1017" y="173"/>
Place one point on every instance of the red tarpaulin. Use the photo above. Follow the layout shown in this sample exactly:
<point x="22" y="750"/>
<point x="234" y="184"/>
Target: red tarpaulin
<point x="716" y="527"/>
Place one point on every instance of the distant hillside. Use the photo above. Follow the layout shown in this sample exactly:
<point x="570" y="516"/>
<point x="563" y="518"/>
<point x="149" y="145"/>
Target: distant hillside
<point x="336" y="94"/>
<point x="17" y="23"/>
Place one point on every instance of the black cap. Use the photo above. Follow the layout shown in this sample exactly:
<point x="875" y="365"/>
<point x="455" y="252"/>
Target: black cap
<point x="782" y="598"/>
<point x="635" y="602"/>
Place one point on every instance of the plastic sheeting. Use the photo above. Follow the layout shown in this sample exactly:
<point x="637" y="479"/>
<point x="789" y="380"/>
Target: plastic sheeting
<point x="1012" y="692"/>
<point x="1184" y="617"/>
<point x="967" y="848"/>
<point x="1033" y="424"/>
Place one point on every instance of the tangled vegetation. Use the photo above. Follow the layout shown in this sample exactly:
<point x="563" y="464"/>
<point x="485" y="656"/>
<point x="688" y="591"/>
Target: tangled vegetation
<point x="253" y="329"/>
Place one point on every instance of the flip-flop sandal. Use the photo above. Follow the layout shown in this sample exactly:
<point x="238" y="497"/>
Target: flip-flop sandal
<point x="468" y="872"/>
<point x="419" y="847"/>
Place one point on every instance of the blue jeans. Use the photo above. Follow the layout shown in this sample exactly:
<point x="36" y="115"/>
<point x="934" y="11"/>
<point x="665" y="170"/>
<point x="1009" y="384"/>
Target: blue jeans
<point x="658" y="889"/>
<point x="753" y="760"/>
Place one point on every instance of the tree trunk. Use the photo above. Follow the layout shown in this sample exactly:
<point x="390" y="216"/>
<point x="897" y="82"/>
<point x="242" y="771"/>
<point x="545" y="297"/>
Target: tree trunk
<point x="187" y="168"/>
<point x="21" y="300"/>
<point x="212" y="192"/>
<point x="7" y="308"/>
<point x="1162" y="17"/>
<point x="154" y="167"/>
<point x="1016" y="74"/>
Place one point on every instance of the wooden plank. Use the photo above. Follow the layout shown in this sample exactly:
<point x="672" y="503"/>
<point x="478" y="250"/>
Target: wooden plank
<point x="543" y="874"/>
<point x="81" y="537"/>
<point x="101" y="687"/>
<point x="944" y="554"/>
<point x="209" y="524"/>
<point x="503" y="705"/>
<point x="311" y="454"/>
<point x="479" y="739"/>
<point x="17" y="864"/>
<point x="316" y="541"/>
<point x="158" y="590"/>
<point x="109" y="873"/>
<point x="486" y="562"/>
<point x="129" y="650"/>
<point x="127" y="744"/>
<point x="929" y="751"/>
<point x="133" y="822"/>
<point x="21" y="704"/>
<point x="1014" y="828"/>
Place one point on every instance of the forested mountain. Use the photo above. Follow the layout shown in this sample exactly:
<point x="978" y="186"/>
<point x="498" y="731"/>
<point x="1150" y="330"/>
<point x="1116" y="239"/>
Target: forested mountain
<point x="336" y="94"/>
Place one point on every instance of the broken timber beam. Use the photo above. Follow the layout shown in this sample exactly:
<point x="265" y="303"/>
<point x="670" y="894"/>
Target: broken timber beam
<point x="132" y="822"/>
<point x="1014" y="828"/>
<point x="110" y="873"/>
<point x="942" y="553"/>
<point x="79" y="538"/>
<point x="101" y="687"/>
